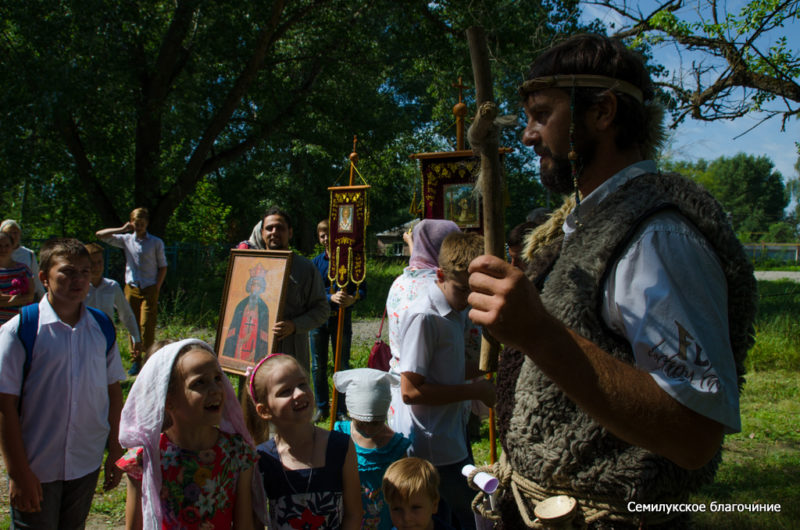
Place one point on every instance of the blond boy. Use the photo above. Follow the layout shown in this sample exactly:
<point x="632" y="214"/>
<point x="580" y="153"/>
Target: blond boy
<point x="411" y="488"/>
<point x="326" y="333"/>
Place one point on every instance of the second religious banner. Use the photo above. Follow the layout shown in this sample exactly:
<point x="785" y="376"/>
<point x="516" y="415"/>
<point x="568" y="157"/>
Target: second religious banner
<point x="348" y="224"/>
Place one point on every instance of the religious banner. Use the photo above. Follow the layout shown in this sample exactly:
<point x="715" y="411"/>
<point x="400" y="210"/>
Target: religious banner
<point x="347" y="233"/>
<point x="252" y="303"/>
<point x="448" y="188"/>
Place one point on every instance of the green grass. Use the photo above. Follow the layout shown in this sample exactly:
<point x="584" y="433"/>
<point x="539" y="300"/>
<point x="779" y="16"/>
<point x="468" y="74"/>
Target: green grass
<point x="760" y="464"/>
<point x="777" y="327"/>
<point x="776" y="265"/>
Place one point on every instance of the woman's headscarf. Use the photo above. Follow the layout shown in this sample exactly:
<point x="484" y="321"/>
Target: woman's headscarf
<point x="143" y="417"/>
<point x="427" y="236"/>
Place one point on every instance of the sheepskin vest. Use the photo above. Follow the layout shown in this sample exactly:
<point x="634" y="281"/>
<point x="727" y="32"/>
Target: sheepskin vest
<point x="548" y="438"/>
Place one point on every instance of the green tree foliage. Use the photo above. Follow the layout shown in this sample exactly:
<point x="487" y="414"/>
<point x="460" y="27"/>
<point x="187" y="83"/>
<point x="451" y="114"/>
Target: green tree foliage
<point x="748" y="62"/>
<point x="781" y="232"/>
<point x="748" y="187"/>
<point x="207" y="112"/>
<point x="793" y="189"/>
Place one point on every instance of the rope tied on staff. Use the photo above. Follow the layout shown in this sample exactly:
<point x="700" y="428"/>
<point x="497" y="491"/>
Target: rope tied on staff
<point x="484" y="135"/>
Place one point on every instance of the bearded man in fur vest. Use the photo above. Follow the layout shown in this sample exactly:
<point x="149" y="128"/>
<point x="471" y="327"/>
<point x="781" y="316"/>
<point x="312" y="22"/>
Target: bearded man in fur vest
<point x="625" y="338"/>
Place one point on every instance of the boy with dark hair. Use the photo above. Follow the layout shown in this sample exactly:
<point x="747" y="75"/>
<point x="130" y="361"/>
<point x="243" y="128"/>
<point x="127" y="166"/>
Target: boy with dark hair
<point x="430" y="407"/>
<point x="60" y="396"/>
<point x="145" y="270"/>
<point x="106" y="294"/>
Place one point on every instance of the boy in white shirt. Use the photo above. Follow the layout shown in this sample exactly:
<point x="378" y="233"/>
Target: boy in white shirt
<point x="430" y="406"/>
<point x="106" y="295"/>
<point x="58" y="413"/>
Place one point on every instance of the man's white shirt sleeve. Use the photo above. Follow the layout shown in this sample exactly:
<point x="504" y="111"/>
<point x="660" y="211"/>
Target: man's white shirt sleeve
<point x="667" y="295"/>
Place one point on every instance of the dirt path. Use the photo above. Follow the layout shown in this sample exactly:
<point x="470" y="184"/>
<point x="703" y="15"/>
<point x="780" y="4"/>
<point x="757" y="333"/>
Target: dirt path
<point x="778" y="275"/>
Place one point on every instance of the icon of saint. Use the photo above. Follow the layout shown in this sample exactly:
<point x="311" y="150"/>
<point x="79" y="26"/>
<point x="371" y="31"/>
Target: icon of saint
<point x="247" y="338"/>
<point x="466" y="215"/>
<point x="346" y="219"/>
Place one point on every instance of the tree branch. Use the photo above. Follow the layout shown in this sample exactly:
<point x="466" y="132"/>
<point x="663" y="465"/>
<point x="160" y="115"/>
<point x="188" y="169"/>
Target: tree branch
<point x="68" y="131"/>
<point x="155" y="87"/>
<point x="707" y="101"/>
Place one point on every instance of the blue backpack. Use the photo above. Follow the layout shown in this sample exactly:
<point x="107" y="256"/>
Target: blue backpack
<point x="29" y="328"/>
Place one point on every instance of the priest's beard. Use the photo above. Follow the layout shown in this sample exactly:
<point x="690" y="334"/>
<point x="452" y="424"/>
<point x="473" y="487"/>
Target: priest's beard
<point x="252" y="299"/>
<point x="558" y="177"/>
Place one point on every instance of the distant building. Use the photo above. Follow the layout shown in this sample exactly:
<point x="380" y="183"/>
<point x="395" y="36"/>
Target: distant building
<point x="390" y="242"/>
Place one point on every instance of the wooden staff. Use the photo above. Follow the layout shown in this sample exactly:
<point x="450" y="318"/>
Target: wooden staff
<point x="334" y="398"/>
<point x="483" y="133"/>
<point x="340" y="321"/>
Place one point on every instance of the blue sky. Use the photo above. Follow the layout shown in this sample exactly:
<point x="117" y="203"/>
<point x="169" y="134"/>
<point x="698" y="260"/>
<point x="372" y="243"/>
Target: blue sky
<point x="695" y="139"/>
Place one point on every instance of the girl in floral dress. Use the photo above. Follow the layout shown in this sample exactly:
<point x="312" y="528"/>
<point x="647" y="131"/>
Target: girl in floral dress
<point x="310" y="474"/>
<point x="191" y="463"/>
<point x="425" y="242"/>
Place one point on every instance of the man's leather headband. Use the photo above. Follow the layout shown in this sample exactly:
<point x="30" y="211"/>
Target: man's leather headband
<point x="580" y="80"/>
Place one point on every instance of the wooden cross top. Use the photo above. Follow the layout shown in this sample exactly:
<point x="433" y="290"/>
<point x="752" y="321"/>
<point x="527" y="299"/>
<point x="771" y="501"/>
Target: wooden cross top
<point x="460" y="112"/>
<point x="353" y="158"/>
<point x="460" y="86"/>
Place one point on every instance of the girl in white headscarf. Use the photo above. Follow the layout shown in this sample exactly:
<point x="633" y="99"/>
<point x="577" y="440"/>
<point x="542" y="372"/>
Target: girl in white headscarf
<point x="368" y="396"/>
<point x="191" y="463"/>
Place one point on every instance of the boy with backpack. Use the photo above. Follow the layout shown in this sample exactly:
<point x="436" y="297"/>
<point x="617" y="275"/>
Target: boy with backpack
<point x="60" y="396"/>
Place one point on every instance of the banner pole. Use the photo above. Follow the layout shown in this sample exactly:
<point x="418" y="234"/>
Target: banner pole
<point x="340" y="320"/>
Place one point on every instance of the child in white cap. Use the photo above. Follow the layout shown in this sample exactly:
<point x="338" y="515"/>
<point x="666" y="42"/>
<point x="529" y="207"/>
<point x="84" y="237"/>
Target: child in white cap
<point x="367" y="396"/>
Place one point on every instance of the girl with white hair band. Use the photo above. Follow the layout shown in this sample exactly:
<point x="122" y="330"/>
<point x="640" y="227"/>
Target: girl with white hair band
<point x="368" y="396"/>
<point x="191" y="463"/>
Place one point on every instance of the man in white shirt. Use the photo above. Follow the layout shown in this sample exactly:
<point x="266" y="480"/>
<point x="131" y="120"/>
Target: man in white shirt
<point x="145" y="270"/>
<point x="637" y="311"/>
